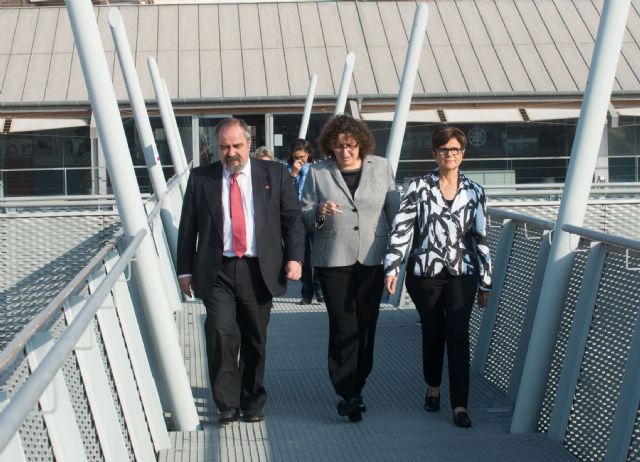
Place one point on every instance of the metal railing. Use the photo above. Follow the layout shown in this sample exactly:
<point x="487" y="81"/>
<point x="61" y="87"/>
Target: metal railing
<point x="28" y="394"/>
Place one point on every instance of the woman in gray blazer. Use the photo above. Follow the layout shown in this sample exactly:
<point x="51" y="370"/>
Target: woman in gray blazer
<point x="350" y="201"/>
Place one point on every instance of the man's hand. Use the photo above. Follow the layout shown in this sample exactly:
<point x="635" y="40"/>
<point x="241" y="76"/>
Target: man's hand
<point x="185" y="285"/>
<point x="390" y="284"/>
<point x="483" y="298"/>
<point x="293" y="270"/>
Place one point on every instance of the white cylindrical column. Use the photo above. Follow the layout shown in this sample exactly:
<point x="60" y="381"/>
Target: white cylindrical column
<point x="176" y="130"/>
<point x="584" y="156"/>
<point x="173" y="377"/>
<point x="306" y="115"/>
<point x="403" y="103"/>
<point x="141" y="116"/>
<point x="345" y="83"/>
<point x="169" y="130"/>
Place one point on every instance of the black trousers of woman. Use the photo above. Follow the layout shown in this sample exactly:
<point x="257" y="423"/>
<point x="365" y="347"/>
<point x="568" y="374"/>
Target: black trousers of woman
<point x="352" y="296"/>
<point x="310" y="282"/>
<point x="444" y="303"/>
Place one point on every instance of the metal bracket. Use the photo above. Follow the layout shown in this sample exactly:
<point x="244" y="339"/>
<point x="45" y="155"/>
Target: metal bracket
<point x="626" y="262"/>
<point x="491" y="225"/>
<point x="127" y="278"/>
<point x="526" y="234"/>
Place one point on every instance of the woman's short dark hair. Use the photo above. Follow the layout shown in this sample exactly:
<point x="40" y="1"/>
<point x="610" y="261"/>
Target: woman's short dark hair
<point x="299" y="144"/>
<point x="443" y="134"/>
<point x="345" y="125"/>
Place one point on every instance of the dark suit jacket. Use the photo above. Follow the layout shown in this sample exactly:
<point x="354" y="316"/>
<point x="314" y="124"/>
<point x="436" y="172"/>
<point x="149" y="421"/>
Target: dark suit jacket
<point x="279" y="229"/>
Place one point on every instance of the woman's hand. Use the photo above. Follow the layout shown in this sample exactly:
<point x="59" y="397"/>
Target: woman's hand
<point x="390" y="284"/>
<point x="296" y="166"/>
<point x="327" y="208"/>
<point x="483" y="298"/>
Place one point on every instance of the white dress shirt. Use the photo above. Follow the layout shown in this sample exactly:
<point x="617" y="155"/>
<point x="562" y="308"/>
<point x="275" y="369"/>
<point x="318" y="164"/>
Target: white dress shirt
<point x="246" y="188"/>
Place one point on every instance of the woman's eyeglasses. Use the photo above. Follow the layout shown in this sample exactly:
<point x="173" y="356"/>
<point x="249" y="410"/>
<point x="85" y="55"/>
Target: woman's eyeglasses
<point x="349" y="146"/>
<point x="444" y="152"/>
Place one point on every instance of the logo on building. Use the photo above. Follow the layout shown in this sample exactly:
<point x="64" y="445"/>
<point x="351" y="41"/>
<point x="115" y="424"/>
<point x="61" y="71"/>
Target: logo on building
<point x="477" y="136"/>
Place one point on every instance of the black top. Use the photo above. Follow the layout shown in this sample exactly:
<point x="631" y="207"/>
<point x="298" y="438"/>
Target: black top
<point x="352" y="178"/>
<point x="448" y="201"/>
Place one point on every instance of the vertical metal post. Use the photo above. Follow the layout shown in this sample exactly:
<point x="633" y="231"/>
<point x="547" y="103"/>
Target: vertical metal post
<point x="500" y="264"/>
<point x="584" y="157"/>
<point x="345" y="82"/>
<point x="403" y="103"/>
<point x="141" y="116"/>
<point x="308" y="105"/>
<point x="173" y="376"/>
<point x="195" y="140"/>
<point x="176" y="129"/>
<point x="577" y="342"/>
<point x="176" y="156"/>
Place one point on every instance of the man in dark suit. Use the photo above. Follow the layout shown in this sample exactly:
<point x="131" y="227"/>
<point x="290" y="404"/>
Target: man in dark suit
<point x="241" y="237"/>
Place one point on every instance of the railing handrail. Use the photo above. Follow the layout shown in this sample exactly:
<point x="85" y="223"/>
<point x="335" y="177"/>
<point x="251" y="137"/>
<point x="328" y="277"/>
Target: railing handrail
<point x="537" y="203"/>
<point x="599" y="236"/>
<point x="11" y="350"/>
<point x="28" y="394"/>
<point x="507" y="214"/>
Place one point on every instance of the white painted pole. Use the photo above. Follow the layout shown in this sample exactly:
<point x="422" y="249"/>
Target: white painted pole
<point x="172" y="374"/>
<point x="169" y="131"/>
<point x="306" y="115"/>
<point x="141" y="116"/>
<point x="584" y="157"/>
<point x="345" y="83"/>
<point x="403" y="103"/>
<point x="176" y="130"/>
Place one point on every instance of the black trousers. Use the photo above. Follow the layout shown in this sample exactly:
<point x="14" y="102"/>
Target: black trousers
<point x="352" y="295"/>
<point x="444" y="303"/>
<point x="310" y="281"/>
<point x="238" y="312"/>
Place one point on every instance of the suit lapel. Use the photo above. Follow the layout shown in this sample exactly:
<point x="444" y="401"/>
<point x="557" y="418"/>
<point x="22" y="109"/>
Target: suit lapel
<point x="366" y="177"/>
<point x="337" y="177"/>
<point x="213" y="193"/>
<point x="261" y="193"/>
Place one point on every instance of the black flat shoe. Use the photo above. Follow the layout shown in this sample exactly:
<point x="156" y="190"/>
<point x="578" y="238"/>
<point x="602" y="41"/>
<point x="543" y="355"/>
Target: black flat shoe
<point x="305" y="301"/>
<point x="462" y="419"/>
<point x="228" y="416"/>
<point x="252" y="417"/>
<point x="432" y="403"/>
<point x="348" y="406"/>
<point x="363" y="407"/>
<point x="355" y="417"/>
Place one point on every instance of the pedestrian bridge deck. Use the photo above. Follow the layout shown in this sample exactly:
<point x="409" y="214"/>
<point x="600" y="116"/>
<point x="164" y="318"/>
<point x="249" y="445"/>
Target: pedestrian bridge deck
<point x="302" y="423"/>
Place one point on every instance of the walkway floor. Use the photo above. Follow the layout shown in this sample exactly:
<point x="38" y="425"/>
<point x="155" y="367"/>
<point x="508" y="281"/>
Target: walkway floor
<point x="301" y="420"/>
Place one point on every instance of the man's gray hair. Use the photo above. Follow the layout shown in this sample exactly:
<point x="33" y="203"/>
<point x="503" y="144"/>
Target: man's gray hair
<point x="224" y="123"/>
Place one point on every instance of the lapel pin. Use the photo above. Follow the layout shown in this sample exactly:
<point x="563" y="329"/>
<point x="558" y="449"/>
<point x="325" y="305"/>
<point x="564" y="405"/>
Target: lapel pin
<point x="267" y="186"/>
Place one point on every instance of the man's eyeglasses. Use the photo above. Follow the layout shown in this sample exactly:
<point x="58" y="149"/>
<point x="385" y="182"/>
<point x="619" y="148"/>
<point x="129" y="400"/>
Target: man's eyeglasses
<point x="349" y="146"/>
<point x="444" y="152"/>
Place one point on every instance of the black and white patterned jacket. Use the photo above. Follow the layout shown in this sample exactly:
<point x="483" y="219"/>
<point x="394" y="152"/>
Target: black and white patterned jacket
<point x="453" y="237"/>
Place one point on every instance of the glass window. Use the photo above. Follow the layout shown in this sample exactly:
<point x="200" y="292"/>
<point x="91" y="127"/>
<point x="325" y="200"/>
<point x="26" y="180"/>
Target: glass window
<point x="46" y="162"/>
<point x="288" y="125"/>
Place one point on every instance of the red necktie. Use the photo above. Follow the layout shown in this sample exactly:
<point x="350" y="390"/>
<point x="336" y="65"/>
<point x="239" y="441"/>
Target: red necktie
<point x="238" y="228"/>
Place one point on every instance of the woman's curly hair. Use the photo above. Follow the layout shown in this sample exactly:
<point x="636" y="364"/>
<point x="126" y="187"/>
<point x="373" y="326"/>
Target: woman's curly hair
<point x="345" y="125"/>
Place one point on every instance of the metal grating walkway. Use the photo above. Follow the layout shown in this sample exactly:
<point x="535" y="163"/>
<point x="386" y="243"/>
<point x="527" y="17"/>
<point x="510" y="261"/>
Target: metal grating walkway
<point x="301" y="421"/>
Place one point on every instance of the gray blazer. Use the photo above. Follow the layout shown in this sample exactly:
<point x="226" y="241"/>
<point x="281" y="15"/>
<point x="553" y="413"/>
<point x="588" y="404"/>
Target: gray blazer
<point x="361" y="232"/>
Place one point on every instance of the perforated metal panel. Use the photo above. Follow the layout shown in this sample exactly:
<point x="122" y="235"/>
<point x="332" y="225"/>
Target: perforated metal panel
<point x="634" y="447"/>
<point x="560" y="347"/>
<point x="39" y="256"/>
<point x="512" y="306"/>
<point x="605" y="359"/>
<point x="493" y="236"/>
<point x="81" y="410"/>
<point x="33" y="433"/>
<point x="114" y="393"/>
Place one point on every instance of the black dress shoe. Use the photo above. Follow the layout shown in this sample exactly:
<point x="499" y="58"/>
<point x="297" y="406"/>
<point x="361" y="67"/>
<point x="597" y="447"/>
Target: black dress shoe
<point x="350" y="407"/>
<point x="462" y="419"/>
<point x="432" y="403"/>
<point x="227" y="416"/>
<point x="320" y="299"/>
<point x="252" y="417"/>
<point x="305" y="301"/>
<point x="363" y="407"/>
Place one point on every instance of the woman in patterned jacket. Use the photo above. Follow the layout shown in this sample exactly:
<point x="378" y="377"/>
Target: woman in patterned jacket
<point x="441" y="225"/>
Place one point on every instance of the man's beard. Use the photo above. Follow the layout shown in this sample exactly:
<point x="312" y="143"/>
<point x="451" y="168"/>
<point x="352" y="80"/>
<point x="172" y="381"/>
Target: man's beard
<point x="233" y="168"/>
